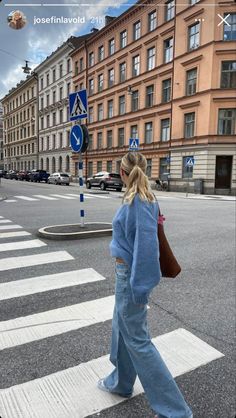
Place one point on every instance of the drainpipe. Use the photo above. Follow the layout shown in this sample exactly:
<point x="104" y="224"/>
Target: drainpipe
<point x="172" y="91"/>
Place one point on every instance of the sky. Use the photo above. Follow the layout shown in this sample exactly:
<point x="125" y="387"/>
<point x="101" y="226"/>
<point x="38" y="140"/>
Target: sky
<point x="37" y="40"/>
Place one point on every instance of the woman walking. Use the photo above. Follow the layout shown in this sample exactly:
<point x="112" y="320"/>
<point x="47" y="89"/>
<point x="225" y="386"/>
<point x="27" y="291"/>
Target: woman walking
<point x="136" y="250"/>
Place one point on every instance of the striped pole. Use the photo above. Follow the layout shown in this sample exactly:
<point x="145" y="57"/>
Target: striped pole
<point x="81" y="183"/>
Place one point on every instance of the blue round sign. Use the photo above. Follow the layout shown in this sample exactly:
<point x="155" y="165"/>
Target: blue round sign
<point x="76" y="138"/>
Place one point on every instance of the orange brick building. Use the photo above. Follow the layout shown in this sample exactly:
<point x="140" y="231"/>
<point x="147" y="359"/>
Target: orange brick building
<point x="164" y="72"/>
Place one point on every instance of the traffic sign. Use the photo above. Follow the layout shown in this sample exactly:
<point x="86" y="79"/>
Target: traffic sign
<point x="190" y="162"/>
<point x="133" y="144"/>
<point x="76" y="138"/>
<point x="167" y="160"/>
<point x="78" y="105"/>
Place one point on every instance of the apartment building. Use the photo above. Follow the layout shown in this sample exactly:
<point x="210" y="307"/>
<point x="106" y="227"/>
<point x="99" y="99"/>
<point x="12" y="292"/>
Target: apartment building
<point x="1" y="138"/>
<point x="54" y="76"/>
<point x="20" y="145"/>
<point x="164" y="72"/>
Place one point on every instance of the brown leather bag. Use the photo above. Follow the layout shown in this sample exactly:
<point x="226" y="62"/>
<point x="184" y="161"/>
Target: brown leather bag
<point x="168" y="263"/>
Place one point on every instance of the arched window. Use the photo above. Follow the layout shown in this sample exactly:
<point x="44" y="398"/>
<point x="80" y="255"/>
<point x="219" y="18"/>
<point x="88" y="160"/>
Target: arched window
<point x="67" y="163"/>
<point x="53" y="164"/>
<point x="47" y="164"/>
<point x="60" y="164"/>
<point x="41" y="163"/>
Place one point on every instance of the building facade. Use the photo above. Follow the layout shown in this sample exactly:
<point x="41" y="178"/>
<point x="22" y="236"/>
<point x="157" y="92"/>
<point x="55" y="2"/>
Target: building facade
<point x="164" y="73"/>
<point x="54" y="86"/>
<point x="20" y="145"/>
<point x="1" y="138"/>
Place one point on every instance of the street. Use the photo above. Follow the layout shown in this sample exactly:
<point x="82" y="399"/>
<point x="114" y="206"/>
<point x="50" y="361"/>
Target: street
<point x="201" y="300"/>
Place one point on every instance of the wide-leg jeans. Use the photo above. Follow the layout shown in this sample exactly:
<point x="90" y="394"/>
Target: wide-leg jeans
<point x="133" y="353"/>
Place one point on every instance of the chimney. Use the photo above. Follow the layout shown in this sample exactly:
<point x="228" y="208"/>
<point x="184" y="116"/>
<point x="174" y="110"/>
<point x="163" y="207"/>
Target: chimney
<point x="94" y="30"/>
<point x="108" y="19"/>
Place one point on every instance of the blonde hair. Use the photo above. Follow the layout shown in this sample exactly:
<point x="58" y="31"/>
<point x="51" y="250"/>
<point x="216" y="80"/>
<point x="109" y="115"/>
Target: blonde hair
<point x="134" y="164"/>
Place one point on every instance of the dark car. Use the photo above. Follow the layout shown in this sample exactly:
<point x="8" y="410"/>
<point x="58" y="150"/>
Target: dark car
<point x="3" y="173"/>
<point x="38" y="175"/>
<point x="11" y="174"/>
<point x="105" y="180"/>
<point x="23" y="175"/>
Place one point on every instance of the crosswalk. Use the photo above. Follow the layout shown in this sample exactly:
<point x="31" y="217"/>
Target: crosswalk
<point x="70" y="392"/>
<point x="54" y="197"/>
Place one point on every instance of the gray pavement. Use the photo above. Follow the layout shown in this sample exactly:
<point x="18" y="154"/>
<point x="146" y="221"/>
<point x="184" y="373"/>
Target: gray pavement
<point x="201" y="300"/>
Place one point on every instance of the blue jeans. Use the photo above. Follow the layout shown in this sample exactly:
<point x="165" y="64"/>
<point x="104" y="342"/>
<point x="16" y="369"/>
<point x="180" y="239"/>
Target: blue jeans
<point x="133" y="353"/>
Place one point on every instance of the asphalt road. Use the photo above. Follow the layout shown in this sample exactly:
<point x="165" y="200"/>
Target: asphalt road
<point x="201" y="300"/>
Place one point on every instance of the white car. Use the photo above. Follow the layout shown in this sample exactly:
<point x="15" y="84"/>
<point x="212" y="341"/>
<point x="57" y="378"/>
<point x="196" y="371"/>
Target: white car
<point x="59" y="178"/>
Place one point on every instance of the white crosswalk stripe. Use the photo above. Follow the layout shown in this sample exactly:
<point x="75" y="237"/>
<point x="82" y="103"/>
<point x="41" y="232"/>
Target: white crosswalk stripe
<point x="63" y="196"/>
<point x="30" y="199"/>
<point x="21" y="245"/>
<point x="4" y="227"/>
<point x="15" y="234"/>
<point x="10" y="201"/>
<point x="5" y="221"/>
<point x="34" y="260"/>
<point x="40" y="196"/>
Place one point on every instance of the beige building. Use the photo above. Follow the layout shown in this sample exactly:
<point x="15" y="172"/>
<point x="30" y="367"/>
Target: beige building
<point x="164" y="73"/>
<point x="20" y="147"/>
<point x="1" y="138"/>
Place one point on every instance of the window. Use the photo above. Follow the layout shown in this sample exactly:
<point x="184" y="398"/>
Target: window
<point x="136" y="65"/>
<point x="111" y="46"/>
<point x="60" y="140"/>
<point x="123" y="39"/>
<point x="110" y="108"/>
<point x="47" y="143"/>
<point x="121" y="137"/>
<point x="54" y="119"/>
<point x="150" y="58"/>
<point x="61" y="70"/>
<point x="81" y="64"/>
<point x="90" y="168"/>
<point x="122" y="72"/>
<point x="109" y="139"/>
<point x="187" y="171"/>
<point x="149" y="168"/>
<point x="135" y="101"/>
<point x="193" y="36"/>
<point x="134" y="131"/>
<point x="90" y="114"/>
<point x="101" y="53"/>
<point x="42" y="123"/>
<point x="230" y="27"/>
<point x="228" y="74"/>
<point x="226" y="122"/>
<point x="111" y="77"/>
<point x="68" y="89"/>
<point x="165" y="129"/>
<point x="48" y="121"/>
<point x="189" y="122"/>
<point x="149" y="95"/>
<point x="99" y="142"/>
<point x="168" y="50"/>
<point x="148" y="132"/>
<point x="47" y="100"/>
<point x="61" y="116"/>
<point x="191" y="82"/>
<point x="163" y="166"/>
<point x="91" y="59"/>
<point x="169" y="10"/>
<point x="41" y="103"/>
<point x="47" y="81"/>
<point x="41" y="85"/>
<point x="68" y="139"/>
<point x="91" y="86"/>
<point x="137" y="30"/>
<point x="90" y="145"/>
<point x="99" y="166"/>
<point x="54" y="141"/>
<point x="54" y="75"/>
<point x="122" y="105"/>
<point x="152" y="21"/>
<point x="100" y="111"/>
<point x="68" y="65"/>
<point x="76" y="68"/>
<point x="54" y="96"/>
<point x="100" y="82"/>
<point x="109" y="166"/>
<point x="61" y="93"/>
<point x="166" y="90"/>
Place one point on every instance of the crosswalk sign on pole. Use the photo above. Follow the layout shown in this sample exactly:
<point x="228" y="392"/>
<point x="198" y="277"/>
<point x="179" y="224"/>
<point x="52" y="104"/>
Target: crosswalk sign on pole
<point x="78" y="105"/>
<point x="190" y="162"/>
<point x="133" y="144"/>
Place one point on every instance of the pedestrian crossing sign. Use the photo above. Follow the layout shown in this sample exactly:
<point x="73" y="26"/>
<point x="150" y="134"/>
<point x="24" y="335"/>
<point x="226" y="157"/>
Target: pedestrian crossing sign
<point x="78" y="105"/>
<point x="133" y="144"/>
<point x="190" y="162"/>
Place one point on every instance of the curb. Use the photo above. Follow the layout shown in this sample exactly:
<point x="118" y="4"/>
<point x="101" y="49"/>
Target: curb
<point x="53" y="235"/>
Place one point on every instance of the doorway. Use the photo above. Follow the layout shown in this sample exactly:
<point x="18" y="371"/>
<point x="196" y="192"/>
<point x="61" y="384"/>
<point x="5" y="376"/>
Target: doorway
<point x="223" y="171"/>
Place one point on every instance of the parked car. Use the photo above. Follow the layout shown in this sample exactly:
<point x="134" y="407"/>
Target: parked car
<point x="23" y="175"/>
<point x="104" y="180"/>
<point x="3" y="173"/>
<point x="59" y="178"/>
<point x="11" y="174"/>
<point x="38" y="175"/>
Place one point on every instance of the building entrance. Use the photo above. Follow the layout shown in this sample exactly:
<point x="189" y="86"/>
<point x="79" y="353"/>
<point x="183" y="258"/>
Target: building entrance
<point x="223" y="171"/>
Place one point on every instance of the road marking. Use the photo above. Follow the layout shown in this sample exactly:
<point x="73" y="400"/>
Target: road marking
<point x="40" y="196"/>
<point x="2" y="227"/>
<point x="34" y="260"/>
<point x="5" y="221"/>
<point x="21" y="245"/>
<point x="14" y="234"/>
<point x="73" y="392"/>
<point x="1" y="217"/>
<point x="98" y="196"/>
<point x="62" y="196"/>
<point x="78" y="196"/>
<point x="41" y="284"/>
<point x="57" y="321"/>
<point x="9" y="200"/>
<point x="30" y="199"/>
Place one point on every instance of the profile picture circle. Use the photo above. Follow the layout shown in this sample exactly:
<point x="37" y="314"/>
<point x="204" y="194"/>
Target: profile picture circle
<point x="16" y="19"/>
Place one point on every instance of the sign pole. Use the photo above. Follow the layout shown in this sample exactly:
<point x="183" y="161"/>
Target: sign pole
<point x="81" y="183"/>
